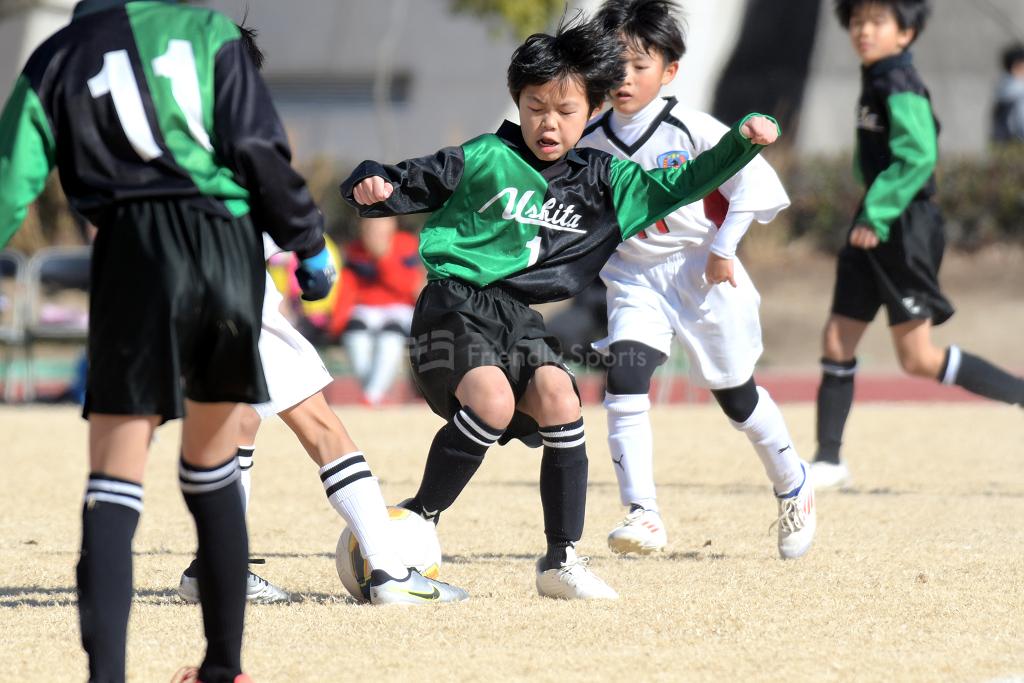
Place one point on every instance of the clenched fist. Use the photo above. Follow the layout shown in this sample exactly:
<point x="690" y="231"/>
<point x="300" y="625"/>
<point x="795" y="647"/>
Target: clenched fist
<point x="372" y="190"/>
<point x="760" y="130"/>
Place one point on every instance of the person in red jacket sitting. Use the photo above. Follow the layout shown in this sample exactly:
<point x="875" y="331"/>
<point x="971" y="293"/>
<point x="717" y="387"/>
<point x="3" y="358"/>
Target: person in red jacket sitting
<point x="383" y="276"/>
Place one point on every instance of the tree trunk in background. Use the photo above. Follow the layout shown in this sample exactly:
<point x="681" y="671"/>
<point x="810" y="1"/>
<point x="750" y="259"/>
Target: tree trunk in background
<point x="768" y="69"/>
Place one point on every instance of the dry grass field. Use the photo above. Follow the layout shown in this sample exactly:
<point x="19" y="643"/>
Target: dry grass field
<point x="917" y="572"/>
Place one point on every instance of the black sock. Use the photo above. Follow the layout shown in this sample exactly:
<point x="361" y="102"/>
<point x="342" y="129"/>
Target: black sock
<point x="835" y="396"/>
<point x="109" y="517"/>
<point x="563" y="488"/>
<point x="214" y="497"/>
<point x="978" y="376"/>
<point x="455" y="455"/>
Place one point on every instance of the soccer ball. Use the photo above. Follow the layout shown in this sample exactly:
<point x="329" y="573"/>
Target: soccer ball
<point x="418" y="547"/>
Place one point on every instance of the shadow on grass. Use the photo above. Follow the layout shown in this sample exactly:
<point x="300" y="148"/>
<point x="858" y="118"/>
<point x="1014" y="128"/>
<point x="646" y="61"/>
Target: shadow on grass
<point x="12" y="596"/>
<point x="34" y="596"/>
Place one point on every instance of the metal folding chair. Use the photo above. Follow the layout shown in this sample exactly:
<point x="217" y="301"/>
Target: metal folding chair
<point x="56" y="308"/>
<point x="12" y="314"/>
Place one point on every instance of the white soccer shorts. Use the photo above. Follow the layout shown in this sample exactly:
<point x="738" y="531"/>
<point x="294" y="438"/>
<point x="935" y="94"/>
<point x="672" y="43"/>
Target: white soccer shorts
<point x="377" y="318"/>
<point x="291" y="365"/>
<point x="717" y="325"/>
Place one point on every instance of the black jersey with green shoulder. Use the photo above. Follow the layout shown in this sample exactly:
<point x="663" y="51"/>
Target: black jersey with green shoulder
<point x="897" y="141"/>
<point x="541" y="231"/>
<point x="151" y="100"/>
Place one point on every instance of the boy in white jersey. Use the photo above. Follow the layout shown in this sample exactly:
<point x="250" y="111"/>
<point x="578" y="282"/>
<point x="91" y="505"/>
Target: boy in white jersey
<point x="681" y="278"/>
<point x="296" y="378"/>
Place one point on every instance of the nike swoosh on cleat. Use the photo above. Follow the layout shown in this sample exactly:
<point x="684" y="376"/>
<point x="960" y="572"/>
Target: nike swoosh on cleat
<point x="783" y="450"/>
<point x="426" y="596"/>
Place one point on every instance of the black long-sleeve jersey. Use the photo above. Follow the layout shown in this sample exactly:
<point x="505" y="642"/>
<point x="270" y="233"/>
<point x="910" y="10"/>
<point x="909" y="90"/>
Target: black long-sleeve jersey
<point x="897" y="141"/>
<point x="151" y="100"/>
<point x="542" y="231"/>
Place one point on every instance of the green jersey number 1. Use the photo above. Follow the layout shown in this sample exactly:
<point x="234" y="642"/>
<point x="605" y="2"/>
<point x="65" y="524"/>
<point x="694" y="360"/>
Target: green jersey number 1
<point x="117" y="79"/>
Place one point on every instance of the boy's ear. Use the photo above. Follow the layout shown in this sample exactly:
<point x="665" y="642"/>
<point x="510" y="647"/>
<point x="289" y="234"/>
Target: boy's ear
<point x="669" y="74"/>
<point x="906" y="37"/>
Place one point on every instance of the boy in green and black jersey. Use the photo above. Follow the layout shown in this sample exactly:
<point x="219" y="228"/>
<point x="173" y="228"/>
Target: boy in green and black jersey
<point x="895" y="246"/>
<point x="166" y="139"/>
<point x="517" y="218"/>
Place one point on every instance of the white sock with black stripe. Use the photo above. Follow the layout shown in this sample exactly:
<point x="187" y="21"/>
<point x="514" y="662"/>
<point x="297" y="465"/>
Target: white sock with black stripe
<point x="355" y="493"/>
<point x="244" y="456"/>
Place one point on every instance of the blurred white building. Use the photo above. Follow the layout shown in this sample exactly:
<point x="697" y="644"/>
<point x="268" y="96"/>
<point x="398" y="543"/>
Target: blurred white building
<point x="325" y="60"/>
<point x="390" y="79"/>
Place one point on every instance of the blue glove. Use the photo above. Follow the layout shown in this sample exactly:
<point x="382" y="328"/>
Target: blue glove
<point x="316" y="275"/>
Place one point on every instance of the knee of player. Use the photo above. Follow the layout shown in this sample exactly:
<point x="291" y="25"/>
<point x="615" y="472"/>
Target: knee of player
<point x="917" y="364"/>
<point x="559" y="403"/>
<point x="494" y="405"/>
<point x="831" y="346"/>
<point x="738" y="403"/>
<point x="249" y="424"/>
<point x="625" y="380"/>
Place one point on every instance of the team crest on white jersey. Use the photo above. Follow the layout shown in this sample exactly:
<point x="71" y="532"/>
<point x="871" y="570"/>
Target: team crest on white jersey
<point x="673" y="159"/>
<point x="551" y="214"/>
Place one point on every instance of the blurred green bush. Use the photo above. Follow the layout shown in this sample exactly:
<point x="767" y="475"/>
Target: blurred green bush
<point x="982" y="198"/>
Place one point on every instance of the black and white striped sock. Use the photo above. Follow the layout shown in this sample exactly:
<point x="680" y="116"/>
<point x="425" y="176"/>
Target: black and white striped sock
<point x="455" y="455"/>
<point x="110" y="515"/>
<point x="105" y="489"/>
<point x="214" y="497"/>
<point x="355" y="494"/>
<point x="835" y="398"/>
<point x="980" y="377"/>
<point x="563" y="487"/>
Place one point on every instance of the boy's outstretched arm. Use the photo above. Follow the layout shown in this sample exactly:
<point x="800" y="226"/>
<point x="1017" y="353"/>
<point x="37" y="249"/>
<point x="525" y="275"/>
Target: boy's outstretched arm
<point x="645" y="197"/>
<point x="411" y="186"/>
<point x="27" y="153"/>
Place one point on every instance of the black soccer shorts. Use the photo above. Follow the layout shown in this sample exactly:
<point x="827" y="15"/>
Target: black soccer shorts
<point x="901" y="274"/>
<point x="175" y="311"/>
<point x="457" y="327"/>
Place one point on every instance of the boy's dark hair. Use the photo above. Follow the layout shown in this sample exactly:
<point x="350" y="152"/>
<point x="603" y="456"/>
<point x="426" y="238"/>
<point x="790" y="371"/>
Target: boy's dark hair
<point x="579" y="50"/>
<point x="1013" y="55"/>
<point x="249" y="41"/>
<point x="912" y="14"/>
<point x="647" y="25"/>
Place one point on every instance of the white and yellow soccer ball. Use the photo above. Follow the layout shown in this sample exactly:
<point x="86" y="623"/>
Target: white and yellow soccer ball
<point x="417" y="543"/>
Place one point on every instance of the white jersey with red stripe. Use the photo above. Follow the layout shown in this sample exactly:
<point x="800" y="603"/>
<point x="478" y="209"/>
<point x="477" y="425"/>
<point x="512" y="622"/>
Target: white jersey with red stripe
<point x="664" y="134"/>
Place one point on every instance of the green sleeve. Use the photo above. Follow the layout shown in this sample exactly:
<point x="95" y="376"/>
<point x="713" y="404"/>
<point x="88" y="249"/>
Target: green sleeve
<point x="912" y="141"/>
<point x="26" y="156"/>
<point x="645" y="197"/>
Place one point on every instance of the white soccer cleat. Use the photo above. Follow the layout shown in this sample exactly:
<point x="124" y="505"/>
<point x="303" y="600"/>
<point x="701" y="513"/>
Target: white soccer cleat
<point x="261" y="592"/>
<point x="257" y="589"/>
<point x="797" y="520"/>
<point x="573" y="580"/>
<point x="415" y="589"/>
<point x="641" y="532"/>
<point x="830" y="475"/>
